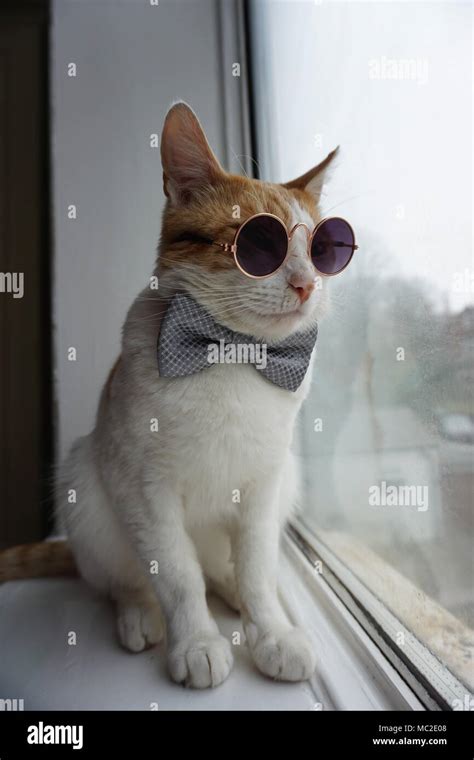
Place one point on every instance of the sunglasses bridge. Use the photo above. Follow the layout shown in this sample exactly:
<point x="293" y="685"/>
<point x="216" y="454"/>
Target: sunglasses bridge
<point x="295" y="227"/>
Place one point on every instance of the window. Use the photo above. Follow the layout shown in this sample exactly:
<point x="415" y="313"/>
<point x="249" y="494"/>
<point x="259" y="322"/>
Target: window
<point x="387" y="433"/>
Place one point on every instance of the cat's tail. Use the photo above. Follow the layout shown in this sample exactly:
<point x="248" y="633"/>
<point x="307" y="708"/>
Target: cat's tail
<point x="41" y="560"/>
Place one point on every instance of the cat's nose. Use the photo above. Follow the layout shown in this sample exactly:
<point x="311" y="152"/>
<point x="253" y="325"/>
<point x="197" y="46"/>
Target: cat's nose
<point x="302" y="287"/>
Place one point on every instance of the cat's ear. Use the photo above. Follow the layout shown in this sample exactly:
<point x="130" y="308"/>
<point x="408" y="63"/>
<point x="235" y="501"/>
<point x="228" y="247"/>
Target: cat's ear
<point x="314" y="180"/>
<point x="188" y="162"/>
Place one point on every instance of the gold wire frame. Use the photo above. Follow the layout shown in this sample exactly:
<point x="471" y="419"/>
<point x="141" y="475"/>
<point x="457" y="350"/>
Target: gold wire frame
<point x="232" y="247"/>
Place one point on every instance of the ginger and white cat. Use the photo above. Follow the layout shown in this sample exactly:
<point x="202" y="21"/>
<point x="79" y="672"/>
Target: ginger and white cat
<point x="147" y="496"/>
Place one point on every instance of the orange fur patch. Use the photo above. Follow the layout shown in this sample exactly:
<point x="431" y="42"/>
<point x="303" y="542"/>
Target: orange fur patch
<point x="48" y="558"/>
<point x="211" y="215"/>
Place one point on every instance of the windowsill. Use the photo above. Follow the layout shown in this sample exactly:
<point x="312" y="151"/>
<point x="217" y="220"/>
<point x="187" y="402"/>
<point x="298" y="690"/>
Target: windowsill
<point x="96" y="674"/>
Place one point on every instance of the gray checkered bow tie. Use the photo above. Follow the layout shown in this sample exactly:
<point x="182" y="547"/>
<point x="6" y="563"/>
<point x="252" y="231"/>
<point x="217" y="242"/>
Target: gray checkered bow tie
<point x="191" y="340"/>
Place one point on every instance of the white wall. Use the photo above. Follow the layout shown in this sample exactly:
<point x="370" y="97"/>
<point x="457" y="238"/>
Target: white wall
<point x="133" y="60"/>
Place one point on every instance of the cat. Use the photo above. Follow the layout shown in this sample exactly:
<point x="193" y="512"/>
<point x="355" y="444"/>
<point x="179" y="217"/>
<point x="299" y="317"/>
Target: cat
<point x="156" y="520"/>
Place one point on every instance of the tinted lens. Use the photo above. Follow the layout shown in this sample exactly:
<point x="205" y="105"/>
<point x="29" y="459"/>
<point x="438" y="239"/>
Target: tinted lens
<point x="261" y="246"/>
<point x="332" y="246"/>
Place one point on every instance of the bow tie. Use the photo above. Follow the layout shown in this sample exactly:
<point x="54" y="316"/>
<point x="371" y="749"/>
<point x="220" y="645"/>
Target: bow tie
<point x="191" y="340"/>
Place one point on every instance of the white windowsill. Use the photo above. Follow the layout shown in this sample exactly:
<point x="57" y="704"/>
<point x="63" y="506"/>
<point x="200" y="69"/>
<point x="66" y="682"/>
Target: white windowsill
<point x="48" y="674"/>
<point x="96" y="674"/>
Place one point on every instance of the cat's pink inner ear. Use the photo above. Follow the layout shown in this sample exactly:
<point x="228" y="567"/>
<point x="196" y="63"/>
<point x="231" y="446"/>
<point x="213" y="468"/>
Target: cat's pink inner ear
<point x="314" y="179"/>
<point x="188" y="162"/>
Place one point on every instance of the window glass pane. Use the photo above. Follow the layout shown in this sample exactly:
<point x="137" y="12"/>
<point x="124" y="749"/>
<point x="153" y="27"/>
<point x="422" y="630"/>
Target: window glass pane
<point x="387" y="434"/>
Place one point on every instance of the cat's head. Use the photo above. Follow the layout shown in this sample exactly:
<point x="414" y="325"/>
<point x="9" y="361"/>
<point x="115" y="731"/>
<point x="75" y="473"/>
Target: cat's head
<point x="206" y="203"/>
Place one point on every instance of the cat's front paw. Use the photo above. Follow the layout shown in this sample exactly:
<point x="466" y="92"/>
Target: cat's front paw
<point x="284" y="654"/>
<point x="201" y="661"/>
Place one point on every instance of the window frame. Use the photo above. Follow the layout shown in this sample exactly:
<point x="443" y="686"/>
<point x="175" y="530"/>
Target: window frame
<point x="430" y="682"/>
<point x="352" y="673"/>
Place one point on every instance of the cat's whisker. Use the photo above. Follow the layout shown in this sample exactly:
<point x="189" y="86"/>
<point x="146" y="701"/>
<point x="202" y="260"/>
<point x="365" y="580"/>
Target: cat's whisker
<point x="251" y="159"/>
<point x="347" y="200"/>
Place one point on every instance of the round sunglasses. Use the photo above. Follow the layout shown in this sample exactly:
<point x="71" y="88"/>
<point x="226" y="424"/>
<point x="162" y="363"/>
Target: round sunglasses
<point x="261" y="245"/>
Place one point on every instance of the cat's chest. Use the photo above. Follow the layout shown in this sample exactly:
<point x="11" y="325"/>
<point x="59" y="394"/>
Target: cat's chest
<point x="228" y="428"/>
<point x="229" y="414"/>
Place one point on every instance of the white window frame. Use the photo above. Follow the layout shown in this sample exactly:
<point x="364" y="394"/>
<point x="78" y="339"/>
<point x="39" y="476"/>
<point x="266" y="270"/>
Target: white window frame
<point x="352" y="673"/>
<point x="411" y="673"/>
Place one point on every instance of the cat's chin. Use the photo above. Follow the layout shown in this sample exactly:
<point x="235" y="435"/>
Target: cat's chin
<point x="274" y="326"/>
<point x="264" y="326"/>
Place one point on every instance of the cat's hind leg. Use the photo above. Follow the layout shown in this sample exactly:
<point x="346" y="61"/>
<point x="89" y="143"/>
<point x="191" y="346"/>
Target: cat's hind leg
<point x="103" y="552"/>
<point x="213" y="547"/>
<point x="139" y="620"/>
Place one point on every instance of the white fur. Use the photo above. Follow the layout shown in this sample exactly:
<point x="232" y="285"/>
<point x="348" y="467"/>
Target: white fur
<point x="170" y="496"/>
